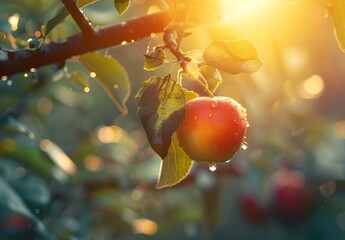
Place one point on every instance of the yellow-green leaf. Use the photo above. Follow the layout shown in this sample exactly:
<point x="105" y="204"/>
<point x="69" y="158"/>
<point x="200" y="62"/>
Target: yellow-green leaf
<point x="111" y="75"/>
<point x="81" y="79"/>
<point x="337" y="11"/>
<point x="121" y="5"/>
<point x="154" y="59"/>
<point x="175" y="167"/>
<point x="161" y="110"/>
<point x="233" y="57"/>
<point x="212" y="77"/>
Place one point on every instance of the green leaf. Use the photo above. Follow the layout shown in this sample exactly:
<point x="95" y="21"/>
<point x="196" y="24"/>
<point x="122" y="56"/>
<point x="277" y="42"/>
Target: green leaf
<point x="154" y="59"/>
<point x="190" y="94"/>
<point x="233" y="57"/>
<point x="33" y="190"/>
<point x="121" y="5"/>
<point x="337" y="11"/>
<point x="9" y="124"/>
<point x="81" y="79"/>
<point x="10" y="200"/>
<point x="175" y="167"/>
<point x="61" y="15"/>
<point x="28" y="153"/>
<point x="212" y="77"/>
<point x="111" y="75"/>
<point x="161" y="110"/>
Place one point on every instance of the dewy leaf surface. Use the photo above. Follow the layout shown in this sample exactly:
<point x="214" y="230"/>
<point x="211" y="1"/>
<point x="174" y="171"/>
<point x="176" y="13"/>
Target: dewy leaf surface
<point x="337" y="11"/>
<point x="233" y="57"/>
<point x="175" y="167"/>
<point x="161" y="110"/>
<point x="111" y="75"/>
<point x="121" y="5"/>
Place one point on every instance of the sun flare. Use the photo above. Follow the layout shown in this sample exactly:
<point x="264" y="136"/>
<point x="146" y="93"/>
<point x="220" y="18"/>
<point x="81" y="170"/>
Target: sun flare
<point x="232" y="10"/>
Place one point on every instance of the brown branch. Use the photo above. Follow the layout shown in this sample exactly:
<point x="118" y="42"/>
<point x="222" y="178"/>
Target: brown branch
<point x="57" y="53"/>
<point x="78" y="16"/>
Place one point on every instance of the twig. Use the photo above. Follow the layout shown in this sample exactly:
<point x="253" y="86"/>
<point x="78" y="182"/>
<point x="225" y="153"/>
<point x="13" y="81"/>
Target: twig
<point x="78" y="16"/>
<point x="57" y="53"/>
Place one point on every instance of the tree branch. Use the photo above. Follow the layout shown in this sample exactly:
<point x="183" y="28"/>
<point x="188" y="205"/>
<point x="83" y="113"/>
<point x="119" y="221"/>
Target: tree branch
<point x="59" y="52"/>
<point x="78" y="16"/>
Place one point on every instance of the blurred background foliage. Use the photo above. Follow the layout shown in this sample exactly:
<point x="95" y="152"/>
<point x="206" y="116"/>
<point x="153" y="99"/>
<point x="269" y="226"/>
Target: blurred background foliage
<point x="71" y="167"/>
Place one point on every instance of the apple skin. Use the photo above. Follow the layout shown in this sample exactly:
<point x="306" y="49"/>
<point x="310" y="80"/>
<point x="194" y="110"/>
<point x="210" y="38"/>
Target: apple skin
<point x="213" y="129"/>
<point x="254" y="211"/>
<point x="293" y="198"/>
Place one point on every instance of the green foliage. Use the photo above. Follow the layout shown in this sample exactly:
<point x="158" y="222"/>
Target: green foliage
<point x="161" y="110"/>
<point x="337" y="11"/>
<point x="154" y="59"/>
<point x="175" y="166"/>
<point x="10" y="125"/>
<point x="111" y="76"/>
<point x="233" y="57"/>
<point x="110" y="191"/>
<point x="81" y="79"/>
<point x="212" y="77"/>
<point x="61" y="15"/>
<point x="121" y="5"/>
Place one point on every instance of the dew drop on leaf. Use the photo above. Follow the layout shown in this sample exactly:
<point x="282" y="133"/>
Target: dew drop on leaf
<point x="212" y="167"/>
<point x="86" y="89"/>
<point x="244" y="145"/>
<point x="92" y="74"/>
<point x="26" y="75"/>
<point x="9" y="82"/>
<point x="116" y="86"/>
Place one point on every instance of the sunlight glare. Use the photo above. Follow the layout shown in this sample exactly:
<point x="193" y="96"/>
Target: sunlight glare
<point x="13" y="21"/>
<point x="232" y="10"/>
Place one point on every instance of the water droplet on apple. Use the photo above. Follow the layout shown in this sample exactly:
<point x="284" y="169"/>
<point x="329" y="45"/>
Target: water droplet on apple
<point x="214" y="104"/>
<point x="247" y="125"/>
<point x="212" y="167"/>
<point x="210" y="115"/>
<point x="244" y="145"/>
<point x="228" y="160"/>
<point x="196" y="117"/>
<point x="236" y="134"/>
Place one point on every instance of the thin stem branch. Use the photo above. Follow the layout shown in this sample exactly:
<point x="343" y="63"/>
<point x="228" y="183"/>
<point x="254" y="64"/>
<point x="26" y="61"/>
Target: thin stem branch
<point x="59" y="52"/>
<point x="78" y="16"/>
